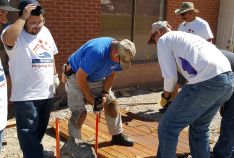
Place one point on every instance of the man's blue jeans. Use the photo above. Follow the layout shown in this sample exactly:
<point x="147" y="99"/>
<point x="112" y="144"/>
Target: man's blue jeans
<point x="31" y="120"/>
<point x="1" y="139"/>
<point x="224" y="147"/>
<point x="195" y="105"/>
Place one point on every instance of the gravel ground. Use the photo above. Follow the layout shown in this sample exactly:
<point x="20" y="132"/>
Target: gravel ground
<point x="142" y="101"/>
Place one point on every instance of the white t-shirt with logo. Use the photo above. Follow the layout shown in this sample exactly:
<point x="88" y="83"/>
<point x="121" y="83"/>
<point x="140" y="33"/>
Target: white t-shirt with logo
<point x="3" y="98"/>
<point x="195" y="58"/>
<point x="31" y="66"/>
<point x="198" y="27"/>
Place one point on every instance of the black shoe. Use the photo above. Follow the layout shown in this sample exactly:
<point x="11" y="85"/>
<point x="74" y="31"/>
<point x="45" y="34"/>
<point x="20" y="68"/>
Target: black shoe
<point x="162" y="110"/>
<point x="122" y="139"/>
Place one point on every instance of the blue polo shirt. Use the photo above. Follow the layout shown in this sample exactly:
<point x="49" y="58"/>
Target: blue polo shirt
<point x="94" y="58"/>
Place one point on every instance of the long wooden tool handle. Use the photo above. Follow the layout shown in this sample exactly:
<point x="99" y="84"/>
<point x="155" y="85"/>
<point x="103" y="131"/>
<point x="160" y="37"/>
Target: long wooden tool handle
<point x="57" y="139"/>
<point x="96" y="139"/>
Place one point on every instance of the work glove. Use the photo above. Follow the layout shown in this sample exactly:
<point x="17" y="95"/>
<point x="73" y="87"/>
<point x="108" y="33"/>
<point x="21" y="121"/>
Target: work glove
<point x="98" y="104"/>
<point x="55" y="83"/>
<point x="165" y="101"/>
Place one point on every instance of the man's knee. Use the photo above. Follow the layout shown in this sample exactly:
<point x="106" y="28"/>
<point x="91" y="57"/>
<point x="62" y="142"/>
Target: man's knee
<point x="111" y="109"/>
<point x="77" y="118"/>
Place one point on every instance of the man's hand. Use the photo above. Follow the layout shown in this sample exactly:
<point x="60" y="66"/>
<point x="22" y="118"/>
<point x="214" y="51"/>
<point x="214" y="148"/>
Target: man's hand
<point x="98" y="105"/>
<point x="27" y="11"/>
<point x="165" y="100"/>
<point x="3" y="17"/>
<point x="55" y="83"/>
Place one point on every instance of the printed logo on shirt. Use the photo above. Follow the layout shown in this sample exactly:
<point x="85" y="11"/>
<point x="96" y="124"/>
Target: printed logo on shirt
<point x="113" y="67"/>
<point x="2" y="78"/>
<point x="190" y="31"/>
<point x="186" y="66"/>
<point x="42" y="57"/>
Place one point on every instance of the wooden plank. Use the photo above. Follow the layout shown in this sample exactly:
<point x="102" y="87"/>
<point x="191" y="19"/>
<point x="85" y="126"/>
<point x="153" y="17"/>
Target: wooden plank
<point x="134" y="134"/>
<point x="130" y="153"/>
<point x="142" y="135"/>
<point x="143" y="131"/>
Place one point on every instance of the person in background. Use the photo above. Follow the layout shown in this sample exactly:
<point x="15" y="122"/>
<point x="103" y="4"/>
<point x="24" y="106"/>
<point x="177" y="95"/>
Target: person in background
<point x="192" y="23"/>
<point x="210" y="84"/>
<point x="4" y="9"/>
<point x="90" y="72"/>
<point x="31" y="49"/>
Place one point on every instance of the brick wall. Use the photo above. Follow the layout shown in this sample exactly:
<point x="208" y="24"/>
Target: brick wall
<point x="72" y="23"/>
<point x="208" y="10"/>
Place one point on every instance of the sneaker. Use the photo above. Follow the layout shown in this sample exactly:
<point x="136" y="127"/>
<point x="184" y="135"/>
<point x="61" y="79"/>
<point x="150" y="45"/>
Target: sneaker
<point x="121" y="139"/>
<point x="48" y="154"/>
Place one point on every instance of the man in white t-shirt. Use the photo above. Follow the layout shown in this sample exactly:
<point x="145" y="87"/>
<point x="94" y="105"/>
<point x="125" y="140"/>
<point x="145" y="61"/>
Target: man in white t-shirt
<point x="210" y="83"/>
<point x="31" y="49"/>
<point x="192" y="23"/>
<point x="4" y="9"/>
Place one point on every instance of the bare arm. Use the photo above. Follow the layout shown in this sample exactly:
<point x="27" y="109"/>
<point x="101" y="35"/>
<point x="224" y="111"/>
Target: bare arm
<point x="109" y="82"/>
<point x="55" y="70"/>
<point x="11" y="34"/>
<point x="83" y="83"/>
<point x="166" y="94"/>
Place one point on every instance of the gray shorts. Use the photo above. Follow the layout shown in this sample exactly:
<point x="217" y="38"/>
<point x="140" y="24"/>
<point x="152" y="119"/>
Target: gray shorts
<point x="75" y="96"/>
<point x="76" y="101"/>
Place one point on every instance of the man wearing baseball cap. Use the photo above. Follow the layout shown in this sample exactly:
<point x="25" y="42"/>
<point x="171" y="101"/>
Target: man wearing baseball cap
<point x="210" y="83"/>
<point x="31" y="49"/>
<point x="4" y="9"/>
<point x="90" y="73"/>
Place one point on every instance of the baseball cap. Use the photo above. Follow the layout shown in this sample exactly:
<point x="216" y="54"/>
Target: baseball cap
<point x="126" y="51"/>
<point x="155" y="27"/>
<point x="23" y="3"/>
<point x="4" y="5"/>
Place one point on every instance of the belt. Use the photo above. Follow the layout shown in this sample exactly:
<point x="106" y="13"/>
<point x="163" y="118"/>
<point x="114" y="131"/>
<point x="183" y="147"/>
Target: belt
<point x="68" y="70"/>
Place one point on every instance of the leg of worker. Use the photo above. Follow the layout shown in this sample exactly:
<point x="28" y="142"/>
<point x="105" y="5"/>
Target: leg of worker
<point x="44" y="116"/>
<point x="193" y="101"/>
<point x="199" y="133"/>
<point x="225" y="145"/>
<point x="1" y="139"/>
<point x="76" y="104"/>
<point x="27" y="122"/>
<point x="114" y="124"/>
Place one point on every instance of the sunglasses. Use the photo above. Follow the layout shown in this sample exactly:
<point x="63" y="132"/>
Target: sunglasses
<point x="183" y="14"/>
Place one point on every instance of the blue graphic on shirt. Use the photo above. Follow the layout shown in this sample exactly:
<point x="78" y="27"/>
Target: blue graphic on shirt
<point x="186" y="66"/>
<point x="44" y="55"/>
<point x="2" y="77"/>
<point x="45" y="58"/>
<point x="41" y="50"/>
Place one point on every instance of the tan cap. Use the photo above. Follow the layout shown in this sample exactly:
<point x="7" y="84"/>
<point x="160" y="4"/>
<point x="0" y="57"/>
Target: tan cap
<point x="156" y="26"/>
<point x="126" y="51"/>
<point x="186" y="6"/>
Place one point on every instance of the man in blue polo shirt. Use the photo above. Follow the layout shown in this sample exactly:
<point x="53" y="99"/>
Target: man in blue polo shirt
<point x="90" y="74"/>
